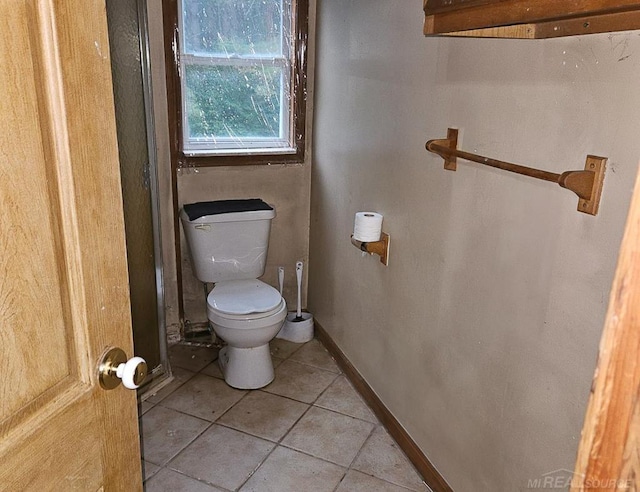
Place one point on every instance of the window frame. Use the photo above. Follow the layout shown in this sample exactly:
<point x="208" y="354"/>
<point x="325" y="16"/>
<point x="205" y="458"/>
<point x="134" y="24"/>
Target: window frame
<point x="242" y="156"/>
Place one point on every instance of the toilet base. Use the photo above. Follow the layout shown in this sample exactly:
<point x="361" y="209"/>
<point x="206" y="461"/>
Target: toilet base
<point x="246" y="368"/>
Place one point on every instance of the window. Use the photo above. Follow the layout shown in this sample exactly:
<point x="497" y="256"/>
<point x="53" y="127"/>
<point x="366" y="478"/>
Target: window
<point x="240" y="75"/>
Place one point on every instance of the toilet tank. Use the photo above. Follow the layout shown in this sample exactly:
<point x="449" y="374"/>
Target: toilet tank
<point x="228" y="239"/>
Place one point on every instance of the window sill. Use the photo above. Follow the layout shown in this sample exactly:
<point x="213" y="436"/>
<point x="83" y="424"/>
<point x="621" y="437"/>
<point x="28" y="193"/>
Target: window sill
<point x="240" y="152"/>
<point x="278" y="156"/>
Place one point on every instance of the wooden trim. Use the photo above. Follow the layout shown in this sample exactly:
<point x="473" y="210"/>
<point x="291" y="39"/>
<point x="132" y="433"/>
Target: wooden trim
<point x="169" y="13"/>
<point x="621" y="21"/>
<point x="518" y="31"/>
<point x="431" y="476"/>
<point x="608" y="455"/>
<point x="528" y="18"/>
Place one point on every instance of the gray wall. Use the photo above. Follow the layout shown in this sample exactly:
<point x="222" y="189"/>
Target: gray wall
<point x="481" y="335"/>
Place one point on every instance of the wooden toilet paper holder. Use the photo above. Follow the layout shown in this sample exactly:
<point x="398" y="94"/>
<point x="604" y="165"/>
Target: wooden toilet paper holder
<point x="380" y="248"/>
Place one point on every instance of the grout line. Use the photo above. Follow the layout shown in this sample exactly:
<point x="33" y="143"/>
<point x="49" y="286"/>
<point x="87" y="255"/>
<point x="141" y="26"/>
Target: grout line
<point x="309" y="364"/>
<point x="325" y="390"/>
<point x="193" y="374"/>
<point x="185" y="413"/>
<point x="341" y="480"/>
<point x="362" y="447"/>
<point x="188" y="444"/>
<point x="230" y="428"/>
<point x="258" y="466"/>
<point x="345" y="415"/>
<point x="293" y="425"/>
<point x="248" y="392"/>
<point x="307" y="453"/>
<point x="164" y="465"/>
<point x="262" y="390"/>
<point x="279" y="442"/>
<point x="153" y="474"/>
<point x="208" y="484"/>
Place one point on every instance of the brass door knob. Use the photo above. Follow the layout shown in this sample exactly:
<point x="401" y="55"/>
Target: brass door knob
<point x="114" y="368"/>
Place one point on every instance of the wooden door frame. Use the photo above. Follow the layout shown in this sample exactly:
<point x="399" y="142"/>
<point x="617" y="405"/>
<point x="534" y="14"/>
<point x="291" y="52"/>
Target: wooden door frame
<point x="608" y="456"/>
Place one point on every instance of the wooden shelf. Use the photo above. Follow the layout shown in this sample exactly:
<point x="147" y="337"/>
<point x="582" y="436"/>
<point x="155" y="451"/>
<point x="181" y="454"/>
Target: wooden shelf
<point x="528" y="19"/>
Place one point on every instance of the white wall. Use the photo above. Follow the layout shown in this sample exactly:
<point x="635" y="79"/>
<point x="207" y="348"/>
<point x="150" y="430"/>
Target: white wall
<point x="482" y="334"/>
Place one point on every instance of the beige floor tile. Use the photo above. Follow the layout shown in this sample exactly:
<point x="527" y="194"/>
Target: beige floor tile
<point x="342" y="397"/>
<point x="282" y="349"/>
<point x="166" y="432"/>
<point x="204" y="397"/>
<point x="286" y="470"/>
<point x="144" y="407"/>
<point x="314" y="354"/>
<point x="329" y="435"/>
<point x="148" y="470"/>
<point x="222" y="457"/>
<point x="213" y="369"/>
<point x="170" y="481"/>
<point x="300" y="381"/>
<point x="381" y="457"/>
<point x="191" y="357"/>
<point x="180" y="376"/>
<point x="356" y="481"/>
<point x="264" y="415"/>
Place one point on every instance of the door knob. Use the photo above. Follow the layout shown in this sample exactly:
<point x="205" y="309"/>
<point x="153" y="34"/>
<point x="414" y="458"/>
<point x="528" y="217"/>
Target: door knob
<point x="114" y="368"/>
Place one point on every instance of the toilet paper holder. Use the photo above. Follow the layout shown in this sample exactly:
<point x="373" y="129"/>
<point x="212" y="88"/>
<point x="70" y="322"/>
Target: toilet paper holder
<point x="380" y="248"/>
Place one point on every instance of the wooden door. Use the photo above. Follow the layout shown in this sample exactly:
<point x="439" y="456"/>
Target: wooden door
<point x="64" y="297"/>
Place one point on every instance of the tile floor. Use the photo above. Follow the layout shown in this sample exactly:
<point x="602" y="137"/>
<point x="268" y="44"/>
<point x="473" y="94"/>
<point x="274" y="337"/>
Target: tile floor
<point x="308" y="431"/>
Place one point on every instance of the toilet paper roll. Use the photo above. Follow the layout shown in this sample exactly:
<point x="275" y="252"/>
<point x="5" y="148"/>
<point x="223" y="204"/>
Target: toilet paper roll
<point x="367" y="227"/>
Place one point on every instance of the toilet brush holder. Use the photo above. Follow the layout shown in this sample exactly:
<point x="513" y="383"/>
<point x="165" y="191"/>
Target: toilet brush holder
<point x="300" y="331"/>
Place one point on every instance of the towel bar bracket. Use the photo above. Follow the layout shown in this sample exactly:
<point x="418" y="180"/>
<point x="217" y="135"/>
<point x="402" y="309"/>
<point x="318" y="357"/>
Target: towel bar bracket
<point x="450" y="159"/>
<point x="591" y="203"/>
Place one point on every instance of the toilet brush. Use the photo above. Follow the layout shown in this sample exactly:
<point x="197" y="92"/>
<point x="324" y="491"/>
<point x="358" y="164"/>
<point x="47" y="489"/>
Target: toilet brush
<point x="299" y="317"/>
<point x="298" y="326"/>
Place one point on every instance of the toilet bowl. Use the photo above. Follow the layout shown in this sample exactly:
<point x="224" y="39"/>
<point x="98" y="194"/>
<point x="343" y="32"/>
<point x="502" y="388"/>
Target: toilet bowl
<point x="247" y="314"/>
<point x="228" y="242"/>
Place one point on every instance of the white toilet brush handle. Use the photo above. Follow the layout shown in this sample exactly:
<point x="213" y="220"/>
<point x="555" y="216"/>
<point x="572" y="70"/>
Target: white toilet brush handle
<point x="281" y="279"/>
<point x="299" y="279"/>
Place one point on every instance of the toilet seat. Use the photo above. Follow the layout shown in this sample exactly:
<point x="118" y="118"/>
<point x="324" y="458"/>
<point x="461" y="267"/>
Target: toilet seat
<point x="244" y="304"/>
<point x="243" y="297"/>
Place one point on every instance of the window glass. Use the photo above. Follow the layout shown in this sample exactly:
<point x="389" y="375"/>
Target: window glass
<point x="228" y="27"/>
<point x="233" y="102"/>
<point x="236" y="64"/>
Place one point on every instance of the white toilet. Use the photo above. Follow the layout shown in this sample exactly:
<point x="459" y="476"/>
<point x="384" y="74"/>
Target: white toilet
<point x="228" y="242"/>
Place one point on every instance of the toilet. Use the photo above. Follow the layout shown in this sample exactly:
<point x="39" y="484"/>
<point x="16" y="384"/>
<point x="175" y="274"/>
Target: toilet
<point x="228" y="242"/>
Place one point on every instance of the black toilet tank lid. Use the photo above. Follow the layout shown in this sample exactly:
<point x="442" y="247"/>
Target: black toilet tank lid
<point x="200" y="209"/>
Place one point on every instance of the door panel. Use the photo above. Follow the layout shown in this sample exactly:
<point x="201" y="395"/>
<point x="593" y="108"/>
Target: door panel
<point x="63" y="277"/>
<point x="29" y="235"/>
